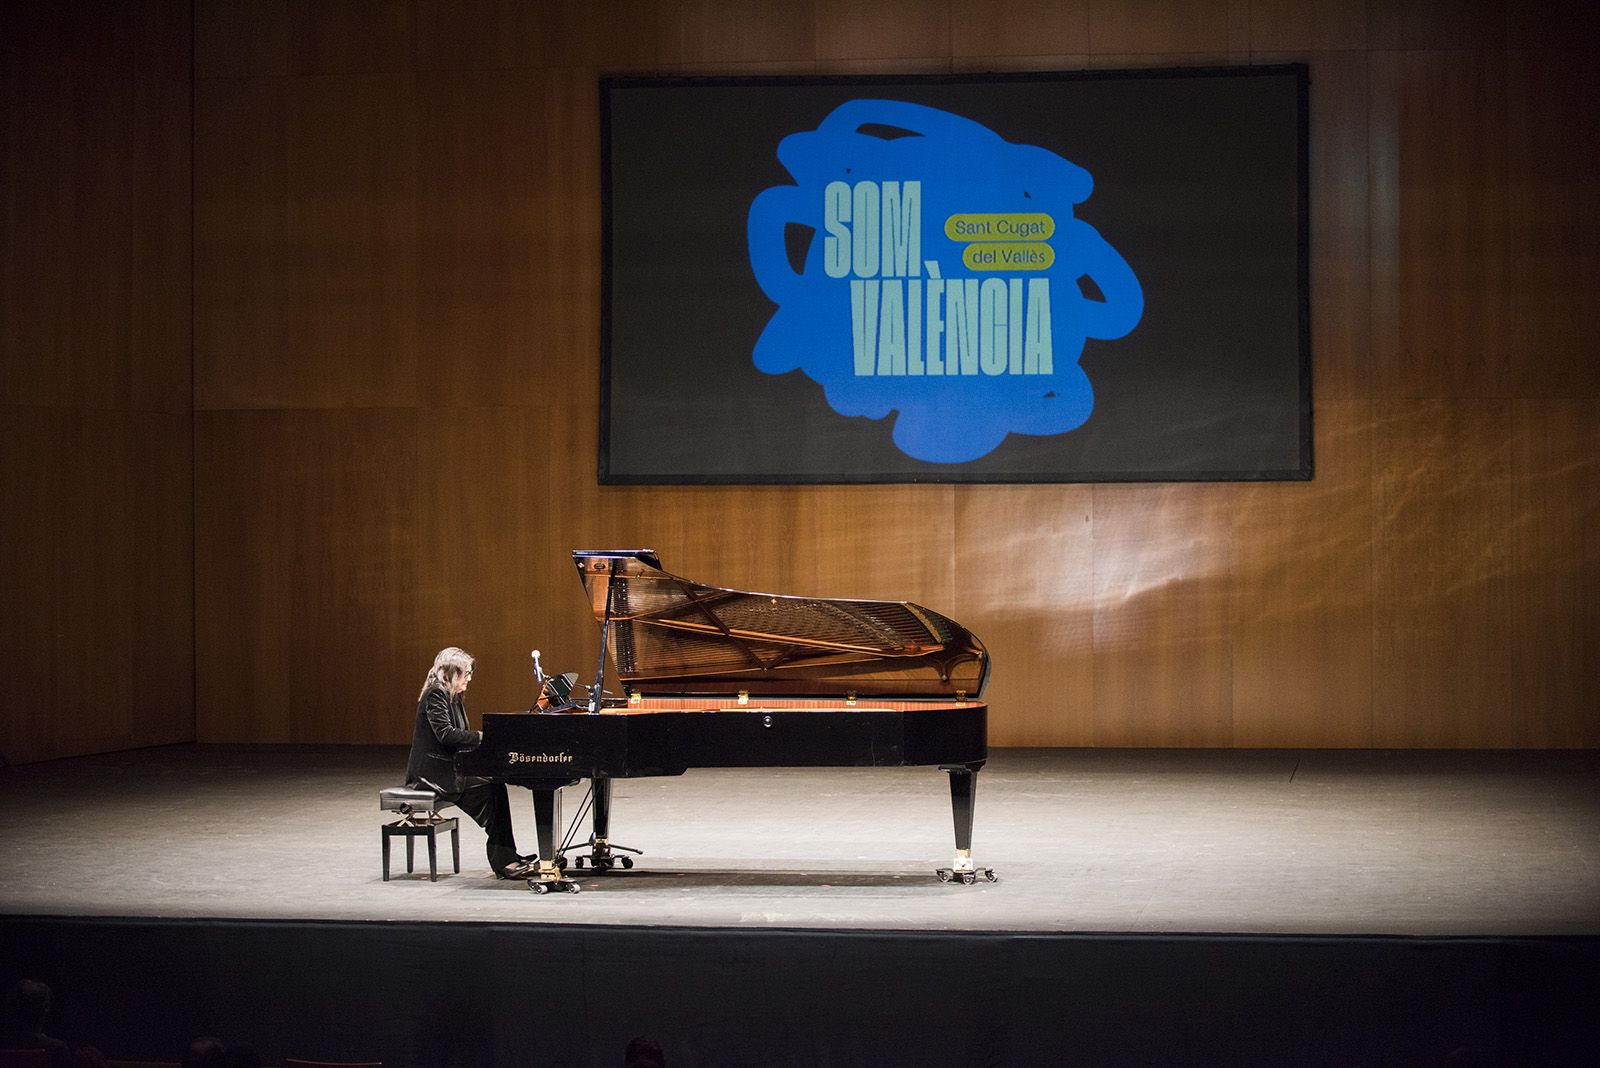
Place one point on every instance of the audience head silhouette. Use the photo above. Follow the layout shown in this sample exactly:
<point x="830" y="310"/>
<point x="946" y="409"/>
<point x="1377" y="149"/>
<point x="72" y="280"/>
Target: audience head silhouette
<point x="644" y="1052"/>
<point x="240" y="1057"/>
<point x="27" y="1003"/>
<point x="22" y="1016"/>
<point x="203" y="1053"/>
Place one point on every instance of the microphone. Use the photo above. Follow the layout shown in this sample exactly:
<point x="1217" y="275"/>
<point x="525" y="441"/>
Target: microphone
<point x="538" y="671"/>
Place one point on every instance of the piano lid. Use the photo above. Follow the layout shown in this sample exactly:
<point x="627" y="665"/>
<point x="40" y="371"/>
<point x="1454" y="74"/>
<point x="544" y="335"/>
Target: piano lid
<point x="670" y="635"/>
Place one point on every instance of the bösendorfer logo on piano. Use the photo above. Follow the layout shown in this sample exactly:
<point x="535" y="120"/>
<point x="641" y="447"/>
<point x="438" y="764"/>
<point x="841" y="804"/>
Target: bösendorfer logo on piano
<point x="539" y="758"/>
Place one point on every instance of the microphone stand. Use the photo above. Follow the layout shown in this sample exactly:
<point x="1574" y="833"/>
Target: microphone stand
<point x="538" y="682"/>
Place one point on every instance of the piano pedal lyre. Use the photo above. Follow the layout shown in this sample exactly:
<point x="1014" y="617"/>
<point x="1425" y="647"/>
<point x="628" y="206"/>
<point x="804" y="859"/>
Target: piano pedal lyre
<point x="552" y="876"/>
<point x="963" y="871"/>
<point x="602" y="856"/>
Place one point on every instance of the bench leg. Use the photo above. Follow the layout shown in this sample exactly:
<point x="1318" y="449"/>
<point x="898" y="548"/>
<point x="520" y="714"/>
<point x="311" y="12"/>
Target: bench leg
<point x="384" y="834"/>
<point x="433" y="855"/>
<point x="455" y="845"/>
<point x="410" y="854"/>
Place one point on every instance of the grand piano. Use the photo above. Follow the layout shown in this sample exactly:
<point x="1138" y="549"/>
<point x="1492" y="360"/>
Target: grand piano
<point x="720" y="678"/>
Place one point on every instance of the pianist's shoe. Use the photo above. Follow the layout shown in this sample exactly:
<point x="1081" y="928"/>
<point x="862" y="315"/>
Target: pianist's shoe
<point x="522" y="869"/>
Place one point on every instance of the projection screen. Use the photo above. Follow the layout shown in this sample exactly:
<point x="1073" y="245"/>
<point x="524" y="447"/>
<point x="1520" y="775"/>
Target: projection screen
<point x="1066" y="277"/>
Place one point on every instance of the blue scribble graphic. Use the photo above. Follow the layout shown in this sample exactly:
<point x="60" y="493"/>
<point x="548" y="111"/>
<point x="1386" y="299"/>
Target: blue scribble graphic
<point x="887" y="321"/>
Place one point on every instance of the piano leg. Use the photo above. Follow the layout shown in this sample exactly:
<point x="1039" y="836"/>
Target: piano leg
<point x="602" y="855"/>
<point x="602" y="819"/>
<point x="547" y="823"/>
<point x="963" y="803"/>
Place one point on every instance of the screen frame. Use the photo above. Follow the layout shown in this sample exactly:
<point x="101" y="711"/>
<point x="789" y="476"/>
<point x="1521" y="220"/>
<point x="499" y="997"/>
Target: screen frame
<point x="1302" y="472"/>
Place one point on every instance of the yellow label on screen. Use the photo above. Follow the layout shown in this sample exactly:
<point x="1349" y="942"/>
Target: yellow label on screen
<point x="1008" y="256"/>
<point x="1006" y="226"/>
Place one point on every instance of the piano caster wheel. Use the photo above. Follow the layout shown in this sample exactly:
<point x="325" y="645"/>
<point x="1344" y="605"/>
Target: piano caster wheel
<point x="627" y="862"/>
<point x="966" y="878"/>
<point x="579" y="862"/>
<point x="943" y="874"/>
<point x="561" y="863"/>
<point x="539" y="886"/>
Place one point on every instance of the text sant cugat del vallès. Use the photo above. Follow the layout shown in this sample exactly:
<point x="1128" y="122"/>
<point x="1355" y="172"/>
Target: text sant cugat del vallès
<point x="905" y="324"/>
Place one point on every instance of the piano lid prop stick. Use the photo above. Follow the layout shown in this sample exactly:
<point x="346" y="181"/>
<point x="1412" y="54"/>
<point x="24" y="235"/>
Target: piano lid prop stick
<point x="605" y="627"/>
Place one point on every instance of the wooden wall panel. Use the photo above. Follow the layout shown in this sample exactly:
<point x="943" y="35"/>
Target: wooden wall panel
<point x="307" y="533"/>
<point x="1159" y="60"/>
<point x="1569" y="28"/>
<point x="896" y="65"/>
<point x="1302" y="597"/>
<point x="1415" y="25"/>
<point x="1552" y="222"/>
<point x="749" y="31"/>
<point x="638" y="37"/>
<point x="96" y="564"/>
<point x="1307" y="26"/>
<point x="1439" y="229"/>
<point x="882" y="29"/>
<point x="98" y="580"/>
<point x="1444" y="505"/>
<point x="566" y="213"/>
<point x="1018" y="28"/>
<point x="1163" y="557"/>
<point x="94" y="119"/>
<point x="398" y="249"/>
<point x="876" y="539"/>
<point x="1041" y="62"/>
<point x="1145" y="27"/>
<point x="1026" y="588"/>
<point x="475" y="34"/>
<point x="350" y="37"/>
<point x="485" y="253"/>
<point x="240" y="38"/>
<point x="305" y="242"/>
<point x="1554" y="620"/>
<point x="1341" y="276"/>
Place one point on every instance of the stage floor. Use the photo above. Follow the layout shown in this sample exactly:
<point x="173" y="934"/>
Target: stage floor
<point x="1276" y="842"/>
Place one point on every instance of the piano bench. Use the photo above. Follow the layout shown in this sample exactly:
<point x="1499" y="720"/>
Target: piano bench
<point x="418" y="818"/>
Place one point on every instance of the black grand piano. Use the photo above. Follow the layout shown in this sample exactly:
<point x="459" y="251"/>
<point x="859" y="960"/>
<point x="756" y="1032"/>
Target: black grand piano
<point x="718" y="678"/>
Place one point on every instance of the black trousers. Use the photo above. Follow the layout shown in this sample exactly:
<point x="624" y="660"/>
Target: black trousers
<point x="490" y="809"/>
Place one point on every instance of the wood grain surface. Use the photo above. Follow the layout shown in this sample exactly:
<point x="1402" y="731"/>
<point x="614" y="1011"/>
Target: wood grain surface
<point x="96" y="458"/>
<point x="386" y="395"/>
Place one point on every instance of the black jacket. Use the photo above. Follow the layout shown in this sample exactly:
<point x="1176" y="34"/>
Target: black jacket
<point x="440" y="733"/>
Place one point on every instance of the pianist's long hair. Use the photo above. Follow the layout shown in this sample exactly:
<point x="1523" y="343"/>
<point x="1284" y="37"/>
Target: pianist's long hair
<point x="448" y="666"/>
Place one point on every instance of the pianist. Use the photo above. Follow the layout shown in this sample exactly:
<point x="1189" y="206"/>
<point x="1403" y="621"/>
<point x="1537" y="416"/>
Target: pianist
<point x="441" y="731"/>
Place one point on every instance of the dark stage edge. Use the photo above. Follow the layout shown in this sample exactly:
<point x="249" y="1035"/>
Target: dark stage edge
<point x="1156" y="907"/>
<point x="428" y="994"/>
